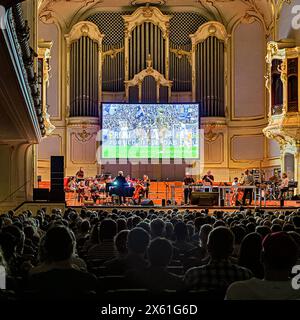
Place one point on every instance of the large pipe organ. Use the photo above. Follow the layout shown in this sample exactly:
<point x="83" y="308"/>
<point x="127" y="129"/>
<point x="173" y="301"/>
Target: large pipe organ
<point x="142" y="56"/>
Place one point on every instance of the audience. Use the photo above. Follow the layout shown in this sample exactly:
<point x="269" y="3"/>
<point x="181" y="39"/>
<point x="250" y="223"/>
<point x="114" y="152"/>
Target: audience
<point x="280" y="253"/>
<point x="58" y="275"/>
<point x="219" y="273"/>
<point x="247" y="254"/>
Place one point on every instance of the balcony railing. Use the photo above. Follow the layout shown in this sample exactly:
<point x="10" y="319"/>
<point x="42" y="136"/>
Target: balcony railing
<point x="17" y="36"/>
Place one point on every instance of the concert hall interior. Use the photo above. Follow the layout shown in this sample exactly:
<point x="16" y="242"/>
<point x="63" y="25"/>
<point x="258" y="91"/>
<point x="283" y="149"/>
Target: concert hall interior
<point x="149" y="105"/>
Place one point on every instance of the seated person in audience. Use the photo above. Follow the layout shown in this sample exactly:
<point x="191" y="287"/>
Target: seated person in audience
<point x="121" y="246"/>
<point x="181" y="244"/>
<point x="157" y="277"/>
<point x="157" y="227"/>
<point x="199" y="255"/>
<point x="61" y="278"/>
<point x="137" y="244"/>
<point x="279" y="256"/>
<point x="105" y="249"/>
<point x="250" y="254"/>
<point x="219" y="273"/>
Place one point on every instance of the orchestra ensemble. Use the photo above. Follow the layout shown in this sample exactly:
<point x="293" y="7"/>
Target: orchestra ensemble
<point x="132" y="190"/>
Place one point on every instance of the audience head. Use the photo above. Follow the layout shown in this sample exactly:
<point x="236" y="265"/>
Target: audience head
<point x="121" y="241"/>
<point x="160" y="252"/>
<point x="58" y="244"/>
<point x="280" y="251"/>
<point x="107" y="230"/>
<point x="180" y="231"/>
<point x="220" y="243"/>
<point x="138" y="240"/>
<point x="203" y="234"/>
<point x="157" y="227"/>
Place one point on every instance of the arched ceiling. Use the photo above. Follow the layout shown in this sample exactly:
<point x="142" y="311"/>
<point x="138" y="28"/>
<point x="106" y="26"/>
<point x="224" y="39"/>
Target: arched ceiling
<point x="67" y="12"/>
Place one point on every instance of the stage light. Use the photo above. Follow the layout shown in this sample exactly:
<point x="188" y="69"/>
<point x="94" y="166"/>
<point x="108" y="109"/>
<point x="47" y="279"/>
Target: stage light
<point x="115" y="183"/>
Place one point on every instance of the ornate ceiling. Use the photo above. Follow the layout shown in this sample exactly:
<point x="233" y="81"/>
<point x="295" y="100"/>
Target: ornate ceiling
<point x="67" y="12"/>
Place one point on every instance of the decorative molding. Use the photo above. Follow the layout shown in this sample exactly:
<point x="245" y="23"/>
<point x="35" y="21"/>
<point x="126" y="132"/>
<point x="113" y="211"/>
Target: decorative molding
<point x="84" y="29"/>
<point x="44" y="49"/>
<point x="147" y="14"/>
<point x="180" y="53"/>
<point x="112" y="53"/>
<point x="83" y="122"/>
<point x="148" y="2"/>
<point x="210" y="29"/>
<point x="84" y="135"/>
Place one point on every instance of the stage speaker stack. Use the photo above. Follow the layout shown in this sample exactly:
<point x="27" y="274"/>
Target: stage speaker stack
<point x="40" y="194"/>
<point x="57" y="179"/>
<point x="147" y="203"/>
<point x="204" y="198"/>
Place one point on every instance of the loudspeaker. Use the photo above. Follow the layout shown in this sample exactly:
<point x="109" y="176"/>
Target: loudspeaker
<point x="147" y="203"/>
<point x="57" y="173"/>
<point x="204" y="198"/>
<point x="40" y="194"/>
<point x="163" y="202"/>
<point x="57" y="195"/>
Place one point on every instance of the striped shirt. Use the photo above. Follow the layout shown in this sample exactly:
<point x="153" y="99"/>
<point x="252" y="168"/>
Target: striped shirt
<point x="215" y="275"/>
<point x="103" y="251"/>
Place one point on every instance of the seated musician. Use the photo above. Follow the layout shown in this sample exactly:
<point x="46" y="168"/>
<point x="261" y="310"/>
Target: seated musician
<point x="80" y="174"/>
<point x="236" y="196"/>
<point x="108" y="184"/>
<point x="102" y="185"/>
<point x="120" y="183"/>
<point x="81" y="188"/>
<point x="146" y="183"/>
<point x="95" y="192"/>
<point x="72" y="185"/>
<point x="284" y="185"/>
<point x="208" y="179"/>
<point x="187" y="182"/>
<point x="138" y="192"/>
<point x="129" y="181"/>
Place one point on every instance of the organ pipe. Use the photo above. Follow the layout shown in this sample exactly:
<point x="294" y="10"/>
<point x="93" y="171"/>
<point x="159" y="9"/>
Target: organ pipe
<point x="84" y="78"/>
<point x="210" y="77"/>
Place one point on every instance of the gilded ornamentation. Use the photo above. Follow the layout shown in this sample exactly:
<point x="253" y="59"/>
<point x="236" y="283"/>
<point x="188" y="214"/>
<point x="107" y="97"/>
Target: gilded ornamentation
<point x="44" y="50"/>
<point x="210" y="135"/>
<point x="112" y="53"/>
<point x="180" y="53"/>
<point x="84" y="28"/>
<point x="146" y="14"/>
<point x="83" y="136"/>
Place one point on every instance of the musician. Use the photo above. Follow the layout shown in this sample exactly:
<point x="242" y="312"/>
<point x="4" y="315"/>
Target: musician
<point x="129" y="181"/>
<point x="236" y="192"/>
<point x="120" y="183"/>
<point x="274" y="179"/>
<point x="247" y="180"/>
<point x="235" y="182"/>
<point x="72" y="185"/>
<point x="138" y="192"/>
<point x="81" y="190"/>
<point x="208" y="179"/>
<point x="95" y="191"/>
<point x="284" y="185"/>
<point x="187" y="182"/>
<point x="79" y="174"/>
<point x="108" y="184"/>
<point x="146" y="183"/>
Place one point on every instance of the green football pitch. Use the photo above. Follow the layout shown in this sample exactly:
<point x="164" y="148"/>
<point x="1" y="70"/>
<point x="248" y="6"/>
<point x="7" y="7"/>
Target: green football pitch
<point x="154" y="152"/>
